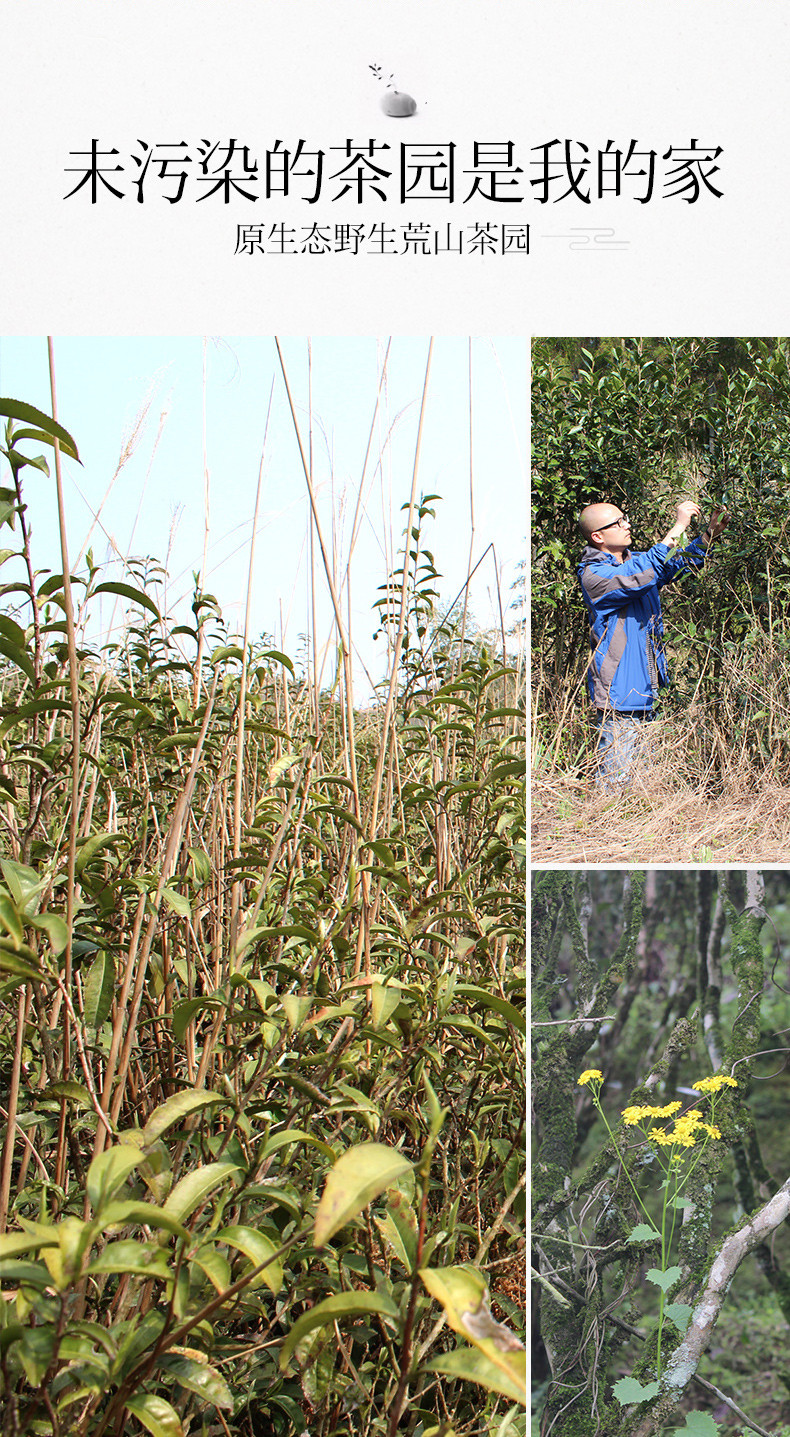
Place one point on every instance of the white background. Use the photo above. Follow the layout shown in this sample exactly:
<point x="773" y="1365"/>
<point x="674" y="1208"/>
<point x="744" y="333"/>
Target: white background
<point x="489" y="70"/>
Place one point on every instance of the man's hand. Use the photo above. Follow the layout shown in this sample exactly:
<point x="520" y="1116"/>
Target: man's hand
<point x="686" y="511"/>
<point x="719" y="520"/>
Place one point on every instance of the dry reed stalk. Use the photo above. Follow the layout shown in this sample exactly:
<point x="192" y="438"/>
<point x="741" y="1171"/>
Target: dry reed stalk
<point x="198" y="667"/>
<point x="236" y="886"/>
<point x="371" y="824"/>
<point x="125" y="1022"/>
<point x="327" y="567"/>
<point x="13" y="1103"/>
<point x="74" y="687"/>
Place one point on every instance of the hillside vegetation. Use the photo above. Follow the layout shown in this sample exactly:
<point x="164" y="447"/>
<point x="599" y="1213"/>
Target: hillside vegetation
<point x="644" y="423"/>
<point x="262" y="1023"/>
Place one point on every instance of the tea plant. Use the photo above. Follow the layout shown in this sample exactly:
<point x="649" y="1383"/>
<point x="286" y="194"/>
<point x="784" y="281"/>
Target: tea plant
<point x="262" y="1024"/>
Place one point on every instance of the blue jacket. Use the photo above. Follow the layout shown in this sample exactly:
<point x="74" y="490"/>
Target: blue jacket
<point x="628" y="664"/>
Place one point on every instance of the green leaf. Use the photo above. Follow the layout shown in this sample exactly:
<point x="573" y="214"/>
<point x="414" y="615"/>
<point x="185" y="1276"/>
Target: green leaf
<point x="288" y="1136"/>
<point x="93" y="845"/>
<point x="13" y="1243"/>
<point x="135" y="1214"/>
<point x="484" y="999"/>
<point x="136" y="1258"/>
<point x="296" y="1008"/>
<point x="384" y="999"/>
<point x="399" y="1228"/>
<point x="664" y="1280"/>
<point x="280" y="657"/>
<point x="213" y="1264"/>
<point x="343" y="1304"/>
<point x="684" y="1204"/>
<point x="71" y="1091"/>
<point x="358" y="1176"/>
<point x="9" y="963"/>
<point x="109" y="1171"/>
<point x="258" y="1249"/>
<point x="628" y="1390"/>
<point x="188" y="1008"/>
<point x="156" y="1415"/>
<point x="35" y="1352"/>
<point x="680" y="1314"/>
<point x="55" y="928"/>
<point x="16" y="409"/>
<point x="127" y="591"/>
<point x="24" y="883"/>
<point x="99" y="989"/>
<point x="19" y="657"/>
<point x="471" y="1365"/>
<point x="192" y="1190"/>
<point x="698" y="1424"/>
<point x="177" y="901"/>
<point x="175" y="1109"/>
<point x="200" y="1378"/>
<point x="31" y="1274"/>
<point x="66" y="1260"/>
<point x="643" y="1233"/>
<point x="463" y="1294"/>
<point x="11" y="921"/>
<point x="459" y="1289"/>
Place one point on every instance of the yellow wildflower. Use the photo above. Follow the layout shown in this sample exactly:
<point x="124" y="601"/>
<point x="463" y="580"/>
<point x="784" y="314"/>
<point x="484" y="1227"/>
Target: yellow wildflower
<point x="689" y="1119"/>
<point x="590" y="1075"/>
<point x="662" y="1137"/>
<point x="632" y="1116"/>
<point x="711" y="1130"/>
<point x="715" y="1084"/>
<point x="666" y="1112"/>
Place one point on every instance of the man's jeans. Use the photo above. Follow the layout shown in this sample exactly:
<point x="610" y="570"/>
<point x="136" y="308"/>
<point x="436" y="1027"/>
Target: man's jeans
<point x="621" y="740"/>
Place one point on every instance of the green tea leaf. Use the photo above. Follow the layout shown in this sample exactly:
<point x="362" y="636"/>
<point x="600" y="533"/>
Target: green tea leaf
<point x="12" y="1243"/>
<point x="192" y="1191"/>
<point x="156" y="1415"/>
<point x="359" y="1176"/>
<point x="135" y="1214"/>
<point x="198" y="1377"/>
<point x="463" y="1293"/>
<point x="109" y="1171"/>
<point x="137" y="1258"/>
<point x="258" y="1248"/>
<point x="343" y="1304"/>
<point x="16" y="409"/>
<point x="175" y="1109"/>
<point x="184" y="1012"/>
<point x="87" y="851"/>
<point x="384" y="999"/>
<point x="126" y="591"/>
<point x="484" y="999"/>
<point x="55" y="928"/>
<point x="399" y="1228"/>
<point x="177" y="901"/>
<point x="99" y="989"/>
<point x="213" y="1264"/>
<point x="471" y="1365"/>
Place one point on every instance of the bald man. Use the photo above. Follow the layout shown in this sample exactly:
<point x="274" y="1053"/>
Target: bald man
<point x="621" y="593"/>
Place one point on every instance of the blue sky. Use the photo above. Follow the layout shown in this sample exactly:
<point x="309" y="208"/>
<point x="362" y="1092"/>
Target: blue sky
<point x="191" y="405"/>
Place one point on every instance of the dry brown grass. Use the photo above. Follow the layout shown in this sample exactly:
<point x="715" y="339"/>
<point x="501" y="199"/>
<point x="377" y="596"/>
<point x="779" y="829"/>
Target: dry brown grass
<point x="673" y="812"/>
